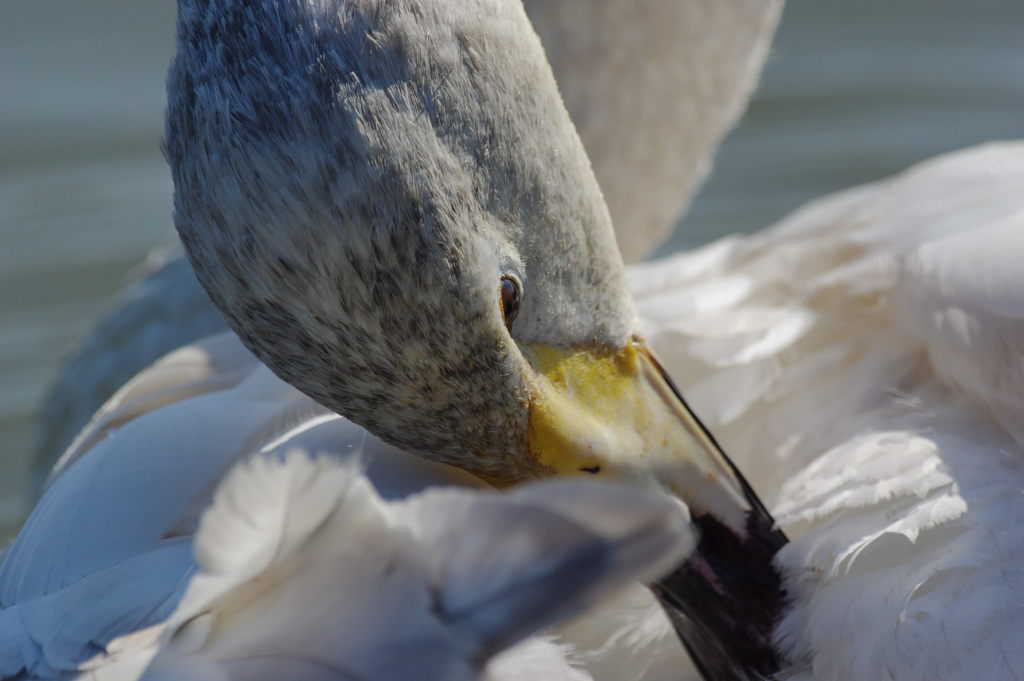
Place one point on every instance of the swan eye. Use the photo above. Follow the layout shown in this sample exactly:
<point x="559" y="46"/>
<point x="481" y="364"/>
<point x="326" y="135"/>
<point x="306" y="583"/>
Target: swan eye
<point x="509" y="302"/>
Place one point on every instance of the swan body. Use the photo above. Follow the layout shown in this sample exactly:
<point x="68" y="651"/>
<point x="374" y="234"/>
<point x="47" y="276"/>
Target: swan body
<point x="862" y="361"/>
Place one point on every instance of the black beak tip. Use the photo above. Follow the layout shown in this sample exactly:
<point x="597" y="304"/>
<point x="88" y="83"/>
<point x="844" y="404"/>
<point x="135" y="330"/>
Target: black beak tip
<point x="725" y="600"/>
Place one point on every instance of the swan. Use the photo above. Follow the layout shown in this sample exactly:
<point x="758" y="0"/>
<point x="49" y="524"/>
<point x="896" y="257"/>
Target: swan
<point x="861" y="362"/>
<point x="391" y="207"/>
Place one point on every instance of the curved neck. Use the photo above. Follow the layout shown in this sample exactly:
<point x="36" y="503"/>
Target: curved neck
<point x="653" y="87"/>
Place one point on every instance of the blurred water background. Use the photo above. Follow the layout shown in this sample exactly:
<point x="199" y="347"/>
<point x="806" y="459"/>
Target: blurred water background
<point x="855" y="90"/>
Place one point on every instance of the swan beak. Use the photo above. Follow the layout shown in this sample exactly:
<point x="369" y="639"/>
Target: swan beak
<point x="617" y="414"/>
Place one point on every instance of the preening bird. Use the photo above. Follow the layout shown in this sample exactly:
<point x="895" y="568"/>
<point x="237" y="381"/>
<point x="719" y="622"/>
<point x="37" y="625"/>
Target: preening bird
<point x="392" y="209"/>
<point x="860" y="362"/>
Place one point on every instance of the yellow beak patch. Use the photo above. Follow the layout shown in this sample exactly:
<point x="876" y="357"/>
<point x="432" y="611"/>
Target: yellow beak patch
<point x="611" y="412"/>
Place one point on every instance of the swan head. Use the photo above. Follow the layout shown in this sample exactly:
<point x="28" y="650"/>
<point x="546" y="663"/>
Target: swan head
<point x="391" y="207"/>
<point x="355" y="193"/>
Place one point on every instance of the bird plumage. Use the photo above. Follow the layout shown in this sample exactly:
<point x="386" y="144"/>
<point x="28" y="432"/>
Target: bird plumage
<point x="433" y="585"/>
<point x="860" y="360"/>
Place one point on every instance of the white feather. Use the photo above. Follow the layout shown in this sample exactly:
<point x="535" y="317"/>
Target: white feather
<point x="304" y="569"/>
